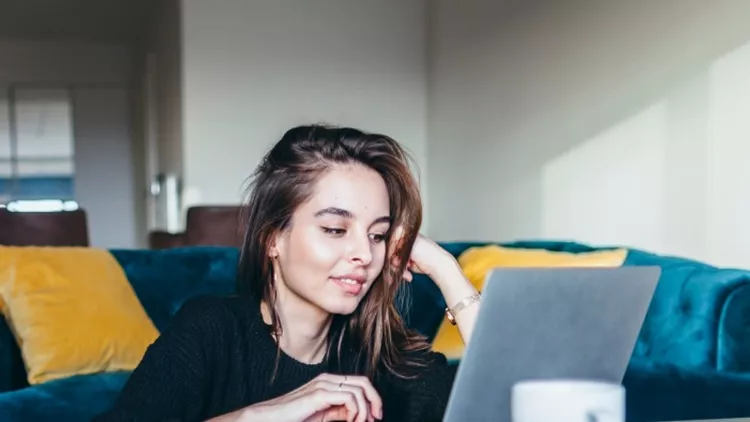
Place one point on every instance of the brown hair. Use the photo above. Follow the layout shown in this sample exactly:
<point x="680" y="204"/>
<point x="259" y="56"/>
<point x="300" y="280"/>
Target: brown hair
<point x="282" y="182"/>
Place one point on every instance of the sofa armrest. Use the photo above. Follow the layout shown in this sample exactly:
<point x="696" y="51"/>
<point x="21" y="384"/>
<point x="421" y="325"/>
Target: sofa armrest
<point x="695" y="318"/>
<point x="662" y="392"/>
<point x="733" y="354"/>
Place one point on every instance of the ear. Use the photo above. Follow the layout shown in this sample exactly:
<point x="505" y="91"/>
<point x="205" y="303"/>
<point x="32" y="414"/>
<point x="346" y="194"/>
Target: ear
<point x="273" y="251"/>
<point x="277" y="242"/>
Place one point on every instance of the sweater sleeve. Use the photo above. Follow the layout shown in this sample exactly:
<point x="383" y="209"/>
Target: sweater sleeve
<point x="427" y="396"/>
<point x="170" y="381"/>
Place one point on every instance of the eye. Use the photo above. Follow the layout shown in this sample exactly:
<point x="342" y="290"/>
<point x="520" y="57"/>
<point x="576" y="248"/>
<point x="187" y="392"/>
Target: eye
<point x="377" y="237"/>
<point x="333" y="231"/>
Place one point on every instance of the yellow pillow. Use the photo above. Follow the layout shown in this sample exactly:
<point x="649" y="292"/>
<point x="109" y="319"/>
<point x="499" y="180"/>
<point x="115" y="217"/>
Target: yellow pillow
<point x="72" y="311"/>
<point x="477" y="262"/>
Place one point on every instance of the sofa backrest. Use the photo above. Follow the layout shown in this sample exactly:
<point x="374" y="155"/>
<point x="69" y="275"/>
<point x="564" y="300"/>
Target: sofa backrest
<point x="164" y="279"/>
<point x="688" y="322"/>
<point x="696" y="318"/>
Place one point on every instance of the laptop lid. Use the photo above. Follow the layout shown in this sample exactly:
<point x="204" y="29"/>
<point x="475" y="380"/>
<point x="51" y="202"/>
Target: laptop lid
<point x="549" y="323"/>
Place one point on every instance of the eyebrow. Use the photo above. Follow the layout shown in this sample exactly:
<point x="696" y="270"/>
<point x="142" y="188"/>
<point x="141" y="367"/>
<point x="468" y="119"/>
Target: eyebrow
<point x="340" y="212"/>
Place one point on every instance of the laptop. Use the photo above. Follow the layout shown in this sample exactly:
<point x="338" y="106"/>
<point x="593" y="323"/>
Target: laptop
<point x="549" y="323"/>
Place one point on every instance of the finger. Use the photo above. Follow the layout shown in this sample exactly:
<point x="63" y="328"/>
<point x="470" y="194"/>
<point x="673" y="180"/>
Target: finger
<point x="363" y="407"/>
<point x="370" y="393"/>
<point x="407" y="275"/>
<point x="413" y="267"/>
<point x="339" y="413"/>
<point x="335" y="413"/>
<point x="324" y="400"/>
<point x="335" y="383"/>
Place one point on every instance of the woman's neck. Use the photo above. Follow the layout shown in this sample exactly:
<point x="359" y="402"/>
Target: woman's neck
<point x="304" y="327"/>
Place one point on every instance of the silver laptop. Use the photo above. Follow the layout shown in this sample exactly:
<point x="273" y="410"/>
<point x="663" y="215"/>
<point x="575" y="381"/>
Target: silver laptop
<point x="549" y="323"/>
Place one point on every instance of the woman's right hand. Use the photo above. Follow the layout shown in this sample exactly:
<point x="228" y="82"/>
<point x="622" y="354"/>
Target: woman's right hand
<point x="326" y="398"/>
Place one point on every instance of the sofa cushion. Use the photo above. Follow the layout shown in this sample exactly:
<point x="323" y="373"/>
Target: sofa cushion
<point x="78" y="398"/>
<point x="477" y="262"/>
<point x="73" y="311"/>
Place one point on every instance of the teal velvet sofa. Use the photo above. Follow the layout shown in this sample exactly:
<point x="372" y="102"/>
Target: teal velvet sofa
<point x="691" y="361"/>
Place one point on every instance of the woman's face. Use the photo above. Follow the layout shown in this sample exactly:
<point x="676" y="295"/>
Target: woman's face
<point x="335" y="247"/>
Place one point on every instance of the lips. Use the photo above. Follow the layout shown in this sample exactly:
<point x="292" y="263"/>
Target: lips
<point x="351" y="283"/>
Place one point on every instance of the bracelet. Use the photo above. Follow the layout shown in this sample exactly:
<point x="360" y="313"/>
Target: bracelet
<point x="452" y="312"/>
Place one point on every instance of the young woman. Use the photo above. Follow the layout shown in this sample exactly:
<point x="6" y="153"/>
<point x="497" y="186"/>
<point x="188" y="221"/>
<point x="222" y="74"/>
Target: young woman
<point x="313" y="335"/>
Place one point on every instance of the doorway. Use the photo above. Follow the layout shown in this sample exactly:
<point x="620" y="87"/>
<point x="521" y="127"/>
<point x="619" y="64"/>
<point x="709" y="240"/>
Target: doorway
<point x="64" y="147"/>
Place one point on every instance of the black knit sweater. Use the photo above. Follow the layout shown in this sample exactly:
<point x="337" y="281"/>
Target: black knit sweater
<point x="218" y="356"/>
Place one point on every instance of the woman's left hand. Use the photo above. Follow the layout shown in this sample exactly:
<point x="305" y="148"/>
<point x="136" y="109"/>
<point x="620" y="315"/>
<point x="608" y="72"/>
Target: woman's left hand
<point x="427" y="257"/>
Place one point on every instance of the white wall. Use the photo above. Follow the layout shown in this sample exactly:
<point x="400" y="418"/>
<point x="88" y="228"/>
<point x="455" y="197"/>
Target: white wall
<point x="602" y="122"/>
<point x="104" y="169"/>
<point x="49" y="64"/>
<point x="254" y="69"/>
<point x="73" y="63"/>
<point x="166" y="45"/>
<point x="104" y="183"/>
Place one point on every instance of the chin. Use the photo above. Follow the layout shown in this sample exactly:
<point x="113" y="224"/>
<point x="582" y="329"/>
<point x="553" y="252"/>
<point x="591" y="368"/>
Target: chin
<point x="344" y="306"/>
<point x="337" y="303"/>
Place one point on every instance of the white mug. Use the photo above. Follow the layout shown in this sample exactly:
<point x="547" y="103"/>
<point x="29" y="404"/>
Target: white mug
<point x="567" y="400"/>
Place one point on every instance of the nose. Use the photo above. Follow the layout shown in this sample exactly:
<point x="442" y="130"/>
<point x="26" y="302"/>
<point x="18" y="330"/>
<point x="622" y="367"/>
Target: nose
<point x="360" y="250"/>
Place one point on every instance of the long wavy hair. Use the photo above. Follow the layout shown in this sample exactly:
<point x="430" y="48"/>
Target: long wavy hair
<point x="282" y="182"/>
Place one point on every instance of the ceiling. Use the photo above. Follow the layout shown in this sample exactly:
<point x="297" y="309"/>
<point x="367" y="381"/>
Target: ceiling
<point x="118" y="21"/>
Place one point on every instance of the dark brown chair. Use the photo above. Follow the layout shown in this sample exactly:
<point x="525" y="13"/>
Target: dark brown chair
<point x="205" y="225"/>
<point x="213" y="225"/>
<point x="164" y="240"/>
<point x="63" y="228"/>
